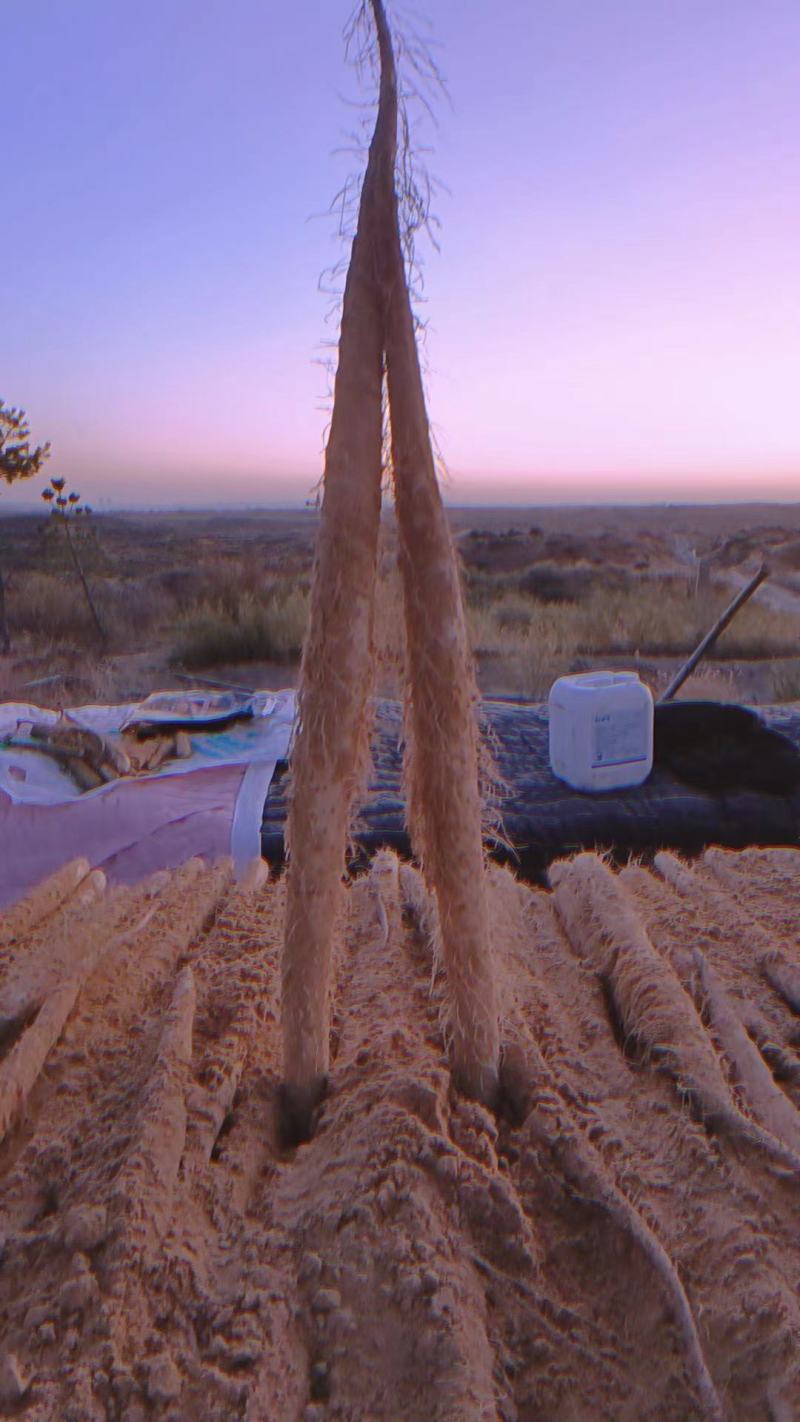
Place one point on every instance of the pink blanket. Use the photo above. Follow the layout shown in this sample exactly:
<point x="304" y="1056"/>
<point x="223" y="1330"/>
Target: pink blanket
<point x="133" y="829"/>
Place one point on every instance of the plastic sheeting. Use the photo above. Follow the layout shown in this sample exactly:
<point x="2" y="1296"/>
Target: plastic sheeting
<point x="30" y="777"/>
<point x="542" y="818"/>
<point x="208" y="805"/>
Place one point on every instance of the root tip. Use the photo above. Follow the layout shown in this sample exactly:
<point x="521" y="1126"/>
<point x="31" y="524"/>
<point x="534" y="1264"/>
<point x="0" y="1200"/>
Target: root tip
<point x="298" y="1111"/>
<point x="481" y="1084"/>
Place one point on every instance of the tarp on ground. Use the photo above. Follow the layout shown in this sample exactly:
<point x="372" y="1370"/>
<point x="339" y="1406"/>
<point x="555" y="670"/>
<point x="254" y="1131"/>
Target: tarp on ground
<point x="209" y="804"/>
<point x="542" y="818"/>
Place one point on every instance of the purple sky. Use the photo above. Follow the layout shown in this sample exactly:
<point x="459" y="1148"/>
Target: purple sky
<point x="615" y="311"/>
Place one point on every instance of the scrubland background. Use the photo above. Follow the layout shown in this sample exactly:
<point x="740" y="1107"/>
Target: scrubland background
<point x="548" y="591"/>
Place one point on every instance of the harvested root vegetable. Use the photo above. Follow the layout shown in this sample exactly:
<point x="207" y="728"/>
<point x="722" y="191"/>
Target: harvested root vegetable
<point x="160" y="751"/>
<point x="445" y="808"/>
<point x="773" y="1109"/>
<point x="331" y="745"/>
<point x="115" y="756"/>
<point x="22" y="1067"/>
<point x="44" y="901"/>
<point x="144" y="754"/>
<point x="652" y="1009"/>
<point x="48" y="957"/>
<point x="549" y="1131"/>
<point x="783" y="976"/>
<point x="70" y="740"/>
<point x="731" y="917"/>
<point x="84" y="775"/>
<point x="143" y="1190"/>
<point x="253" y="877"/>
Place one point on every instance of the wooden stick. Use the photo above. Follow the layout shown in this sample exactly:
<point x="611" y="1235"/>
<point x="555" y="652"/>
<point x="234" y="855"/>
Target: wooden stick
<point x="711" y="637"/>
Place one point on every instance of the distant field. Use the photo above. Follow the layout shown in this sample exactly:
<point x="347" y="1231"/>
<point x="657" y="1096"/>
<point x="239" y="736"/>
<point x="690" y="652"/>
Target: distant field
<point x="548" y="591"/>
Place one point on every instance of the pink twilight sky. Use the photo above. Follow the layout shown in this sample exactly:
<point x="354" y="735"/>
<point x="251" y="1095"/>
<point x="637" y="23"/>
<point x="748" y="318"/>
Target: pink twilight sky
<point x="614" y="313"/>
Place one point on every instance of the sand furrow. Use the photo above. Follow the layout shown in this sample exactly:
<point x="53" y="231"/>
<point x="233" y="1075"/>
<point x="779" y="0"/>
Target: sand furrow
<point x="594" y="1253"/>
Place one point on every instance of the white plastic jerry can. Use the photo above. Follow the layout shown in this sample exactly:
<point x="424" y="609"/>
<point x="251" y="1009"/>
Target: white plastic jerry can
<point x="601" y="730"/>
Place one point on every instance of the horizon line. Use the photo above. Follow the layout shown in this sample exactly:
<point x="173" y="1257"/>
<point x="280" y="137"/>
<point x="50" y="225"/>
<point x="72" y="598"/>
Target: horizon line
<point x="14" y="509"/>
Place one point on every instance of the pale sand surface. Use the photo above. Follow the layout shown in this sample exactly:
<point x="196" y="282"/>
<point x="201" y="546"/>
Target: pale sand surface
<point x="164" y="1257"/>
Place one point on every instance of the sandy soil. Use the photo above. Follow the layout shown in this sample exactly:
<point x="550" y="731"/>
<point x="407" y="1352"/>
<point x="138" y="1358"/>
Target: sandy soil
<point x="622" y="1244"/>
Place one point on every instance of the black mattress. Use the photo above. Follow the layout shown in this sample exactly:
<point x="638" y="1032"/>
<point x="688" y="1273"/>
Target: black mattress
<point x="543" y="818"/>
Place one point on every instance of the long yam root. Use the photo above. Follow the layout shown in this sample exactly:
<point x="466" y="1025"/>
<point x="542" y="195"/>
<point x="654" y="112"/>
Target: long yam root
<point x="331" y="745"/>
<point x="773" y="1109"/>
<point x="652" y="1008"/>
<point x="548" y="1127"/>
<point x="445" y="810"/>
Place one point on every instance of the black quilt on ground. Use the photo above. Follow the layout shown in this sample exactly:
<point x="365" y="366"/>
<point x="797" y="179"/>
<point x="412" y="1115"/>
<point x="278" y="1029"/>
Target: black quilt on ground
<point x="716" y="780"/>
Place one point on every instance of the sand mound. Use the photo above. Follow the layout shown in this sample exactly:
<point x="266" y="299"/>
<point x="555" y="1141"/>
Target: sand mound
<point x="624" y="1245"/>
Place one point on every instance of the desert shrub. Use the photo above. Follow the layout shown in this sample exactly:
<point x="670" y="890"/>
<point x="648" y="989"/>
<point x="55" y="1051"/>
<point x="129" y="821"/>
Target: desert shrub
<point x="229" y="581"/>
<point x="186" y="587"/>
<point x="482" y="589"/>
<point x="54" y="555"/>
<point x="50" y="608"/>
<point x="513" y="614"/>
<point x="550" y="583"/>
<point x="268" y="628"/>
<point x="547" y="582"/>
<point x="495" y="552"/>
<point x="134" y="612"/>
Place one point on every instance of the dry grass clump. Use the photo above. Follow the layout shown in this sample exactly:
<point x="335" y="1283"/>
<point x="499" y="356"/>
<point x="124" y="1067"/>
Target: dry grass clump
<point x="654" y="617"/>
<point x="153" y="585"/>
<point x="228" y="580"/>
<point x="545" y="582"/>
<point x="51" y="608"/>
<point x="256" y="628"/>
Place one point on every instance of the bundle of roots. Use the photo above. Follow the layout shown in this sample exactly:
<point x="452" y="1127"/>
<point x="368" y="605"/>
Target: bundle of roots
<point x="377" y="332"/>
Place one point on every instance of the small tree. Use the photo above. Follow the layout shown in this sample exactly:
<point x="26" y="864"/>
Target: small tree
<point x="17" y="461"/>
<point x="66" y="508"/>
